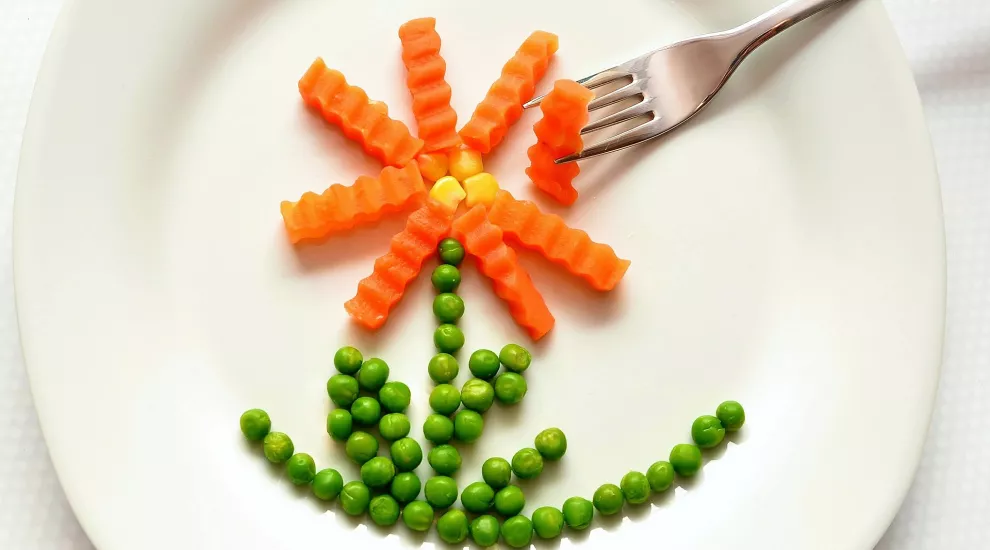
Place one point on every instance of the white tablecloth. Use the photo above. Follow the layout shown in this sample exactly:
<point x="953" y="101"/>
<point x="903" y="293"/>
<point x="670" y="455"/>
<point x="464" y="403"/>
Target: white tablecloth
<point x="948" y="507"/>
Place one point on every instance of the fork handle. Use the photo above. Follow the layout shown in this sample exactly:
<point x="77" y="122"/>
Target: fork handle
<point x="756" y="32"/>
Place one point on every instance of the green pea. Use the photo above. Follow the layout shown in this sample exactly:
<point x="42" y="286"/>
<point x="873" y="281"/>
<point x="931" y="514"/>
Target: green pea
<point x="384" y="510"/>
<point x="441" y="491"/>
<point x="453" y="527"/>
<point x="515" y="357"/>
<point x="477" y="395"/>
<point x="443" y="368"/>
<point x="301" y="469"/>
<point x="354" y="498"/>
<point x="448" y="307"/>
<point x="347" y="360"/>
<point x="551" y="443"/>
<point x="255" y="424"/>
<point x="660" y="475"/>
<point x="278" y="447"/>
<point x="366" y="411"/>
<point x="373" y="374"/>
<point x="527" y="463"/>
<point x="418" y="516"/>
<point x="484" y="364"/>
<point x="327" y="484"/>
<point x="608" y="499"/>
<point x="343" y="390"/>
<point x="485" y="531"/>
<point x="438" y="428"/>
<point x="394" y="397"/>
<point x="686" y="459"/>
<point x="732" y="415"/>
<point x="548" y="522"/>
<point x="406" y="453"/>
<point x="444" y="399"/>
<point x="340" y="424"/>
<point x="377" y="472"/>
<point x="448" y="338"/>
<point x="635" y="488"/>
<point x="517" y="531"/>
<point x="468" y="426"/>
<point x="361" y="447"/>
<point x="510" y="388"/>
<point x="405" y="487"/>
<point x="451" y="251"/>
<point x="707" y="431"/>
<point x="478" y="497"/>
<point x="446" y="278"/>
<point x="394" y="426"/>
<point x="497" y="472"/>
<point x="444" y="459"/>
<point x="578" y="513"/>
<point x="510" y="501"/>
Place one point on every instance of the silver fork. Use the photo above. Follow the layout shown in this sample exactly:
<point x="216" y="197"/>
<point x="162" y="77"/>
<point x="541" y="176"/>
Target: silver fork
<point x="677" y="81"/>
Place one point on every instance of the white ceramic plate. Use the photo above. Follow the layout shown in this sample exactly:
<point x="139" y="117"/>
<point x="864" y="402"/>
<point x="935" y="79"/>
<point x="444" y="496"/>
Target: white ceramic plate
<point x="787" y="252"/>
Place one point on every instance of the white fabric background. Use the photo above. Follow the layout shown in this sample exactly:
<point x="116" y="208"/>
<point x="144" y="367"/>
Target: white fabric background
<point x="948" y="44"/>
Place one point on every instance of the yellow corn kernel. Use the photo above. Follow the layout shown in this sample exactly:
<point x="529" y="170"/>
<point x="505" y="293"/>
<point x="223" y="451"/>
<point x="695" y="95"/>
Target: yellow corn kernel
<point x="481" y="189"/>
<point x="379" y="106"/>
<point x="433" y="166"/>
<point x="448" y="191"/>
<point x="465" y="163"/>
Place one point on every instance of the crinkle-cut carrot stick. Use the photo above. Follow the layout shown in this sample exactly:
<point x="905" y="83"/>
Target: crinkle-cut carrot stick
<point x="380" y="291"/>
<point x="571" y="248"/>
<point x="342" y="207"/>
<point x="553" y="179"/>
<point x="362" y="120"/>
<point x="435" y="118"/>
<point x="503" y="103"/>
<point x="558" y="133"/>
<point x="565" y="113"/>
<point x="498" y="262"/>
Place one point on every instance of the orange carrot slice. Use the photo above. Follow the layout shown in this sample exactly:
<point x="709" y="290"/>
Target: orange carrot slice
<point x="565" y="112"/>
<point x="342" y="207"/>
<point x="503" y="103"/>
<point x="558" y="133"/>
<point x="498" y="262"/>
<point x="553" y="179"/>
<point x="378" y="293"/>
<point x="571" y="248"/>
<point x="362" y="120"/>
<point x="435" y="118"/>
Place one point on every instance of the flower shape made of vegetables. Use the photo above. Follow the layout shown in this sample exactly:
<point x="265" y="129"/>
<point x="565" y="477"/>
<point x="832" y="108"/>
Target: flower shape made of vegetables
<point x="435" y="173"/>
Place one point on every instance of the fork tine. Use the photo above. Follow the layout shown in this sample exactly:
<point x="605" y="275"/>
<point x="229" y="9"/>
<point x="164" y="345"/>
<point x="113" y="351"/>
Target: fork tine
<point x="636" y="87"/>
<point x="639" y="134"/>
<point x="591" y="82"/>
<point x="603" y="78"/>
<point x="641" y="108"/>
